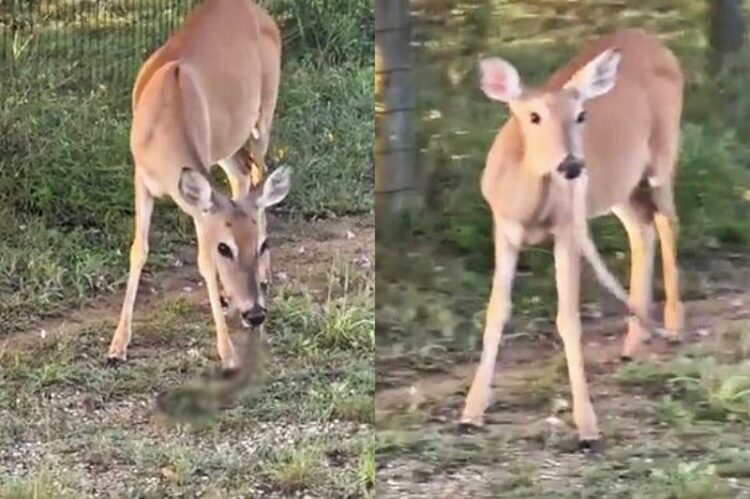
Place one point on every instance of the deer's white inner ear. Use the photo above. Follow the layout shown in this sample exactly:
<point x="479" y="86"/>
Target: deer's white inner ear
<point x="275" y="188"/>
<point x="500" y="80"/>
<point x="196" y="190"/>
<point x="598" y="76"/>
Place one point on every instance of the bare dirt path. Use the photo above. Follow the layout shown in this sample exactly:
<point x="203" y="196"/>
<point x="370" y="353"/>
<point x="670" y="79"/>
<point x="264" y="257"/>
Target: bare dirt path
<point x="303" y="253"/>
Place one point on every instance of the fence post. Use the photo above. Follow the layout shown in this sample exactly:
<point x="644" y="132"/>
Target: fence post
<point x="396" y="174"/>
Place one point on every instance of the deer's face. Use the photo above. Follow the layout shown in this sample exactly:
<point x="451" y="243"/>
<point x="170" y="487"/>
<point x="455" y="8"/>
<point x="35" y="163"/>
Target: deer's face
<point x="552" y="128"/>
<point x="551" y="123"/>
<point x="234" y="237"/>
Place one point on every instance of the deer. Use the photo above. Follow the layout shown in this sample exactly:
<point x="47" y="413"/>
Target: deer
<point x="207" y="96"/>
<point x="600" y="136"/>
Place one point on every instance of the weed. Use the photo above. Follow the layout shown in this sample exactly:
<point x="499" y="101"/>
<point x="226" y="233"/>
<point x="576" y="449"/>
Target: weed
<point x="366" y="468"/>
<point x="344" y="322"/>
<point x="296" y="469"/>
<point x="696" y="389"/>
<point x="692" y="481"/>
<point x="39" y="485"/>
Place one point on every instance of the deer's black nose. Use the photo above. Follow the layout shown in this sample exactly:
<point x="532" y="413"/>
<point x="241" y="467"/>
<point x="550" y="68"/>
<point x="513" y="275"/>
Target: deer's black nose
<point x="255" y="315"/>
<point x="570" y="167"/>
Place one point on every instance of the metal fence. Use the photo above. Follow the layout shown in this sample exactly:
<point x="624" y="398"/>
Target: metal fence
<point x="82" y="43"/>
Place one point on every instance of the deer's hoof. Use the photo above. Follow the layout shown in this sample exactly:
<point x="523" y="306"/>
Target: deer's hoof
<point x="112" y="362"/>
<point x="470" y="424"/>
<point x="229" y="372"/>
<point x="590" y="445"/>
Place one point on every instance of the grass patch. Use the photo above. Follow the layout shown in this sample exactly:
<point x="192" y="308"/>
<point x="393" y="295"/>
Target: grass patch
<point x="295" y="470"/>
<point x="704" y="389"/>
<point x="343" y="321"/>
<point x="40" y="485"/>
<point x="307" y="428"/>
<point x="366" y="468"/>
<point x="691" y="481"/>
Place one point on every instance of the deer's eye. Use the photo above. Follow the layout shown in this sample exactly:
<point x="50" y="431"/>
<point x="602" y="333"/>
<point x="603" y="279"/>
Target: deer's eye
<point x="535" y="118"/>
<point x="224" y="250"/>
<point x="264" y="246"/>
<point x="581" y="117"/>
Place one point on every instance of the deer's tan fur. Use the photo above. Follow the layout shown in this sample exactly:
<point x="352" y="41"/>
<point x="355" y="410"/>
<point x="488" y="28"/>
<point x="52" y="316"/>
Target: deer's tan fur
<point x="628" y="142"/>
<point x="208" y="96"/>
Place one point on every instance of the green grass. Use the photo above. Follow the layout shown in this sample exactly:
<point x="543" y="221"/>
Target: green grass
<point x="695" y="389"/>
<point x="308" y="421"/>
<point x="40" y="485"/>
<point x="66" y="172"/>
<point x="296" y="469"/>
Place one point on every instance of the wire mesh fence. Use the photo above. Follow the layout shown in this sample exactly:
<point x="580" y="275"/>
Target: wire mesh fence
<point x="82" y="43"/>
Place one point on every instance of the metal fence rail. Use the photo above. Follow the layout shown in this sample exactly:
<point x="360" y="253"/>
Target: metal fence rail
<point x="83" y="42"/>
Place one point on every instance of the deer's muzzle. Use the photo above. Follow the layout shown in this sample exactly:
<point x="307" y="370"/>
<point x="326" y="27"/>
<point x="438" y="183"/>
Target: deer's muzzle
<point x="571" y="167"/>
<point x="255" y="316"/>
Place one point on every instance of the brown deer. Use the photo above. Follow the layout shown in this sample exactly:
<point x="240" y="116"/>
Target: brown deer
<point x="208" y="96"/>
<point x="601" y="136"/>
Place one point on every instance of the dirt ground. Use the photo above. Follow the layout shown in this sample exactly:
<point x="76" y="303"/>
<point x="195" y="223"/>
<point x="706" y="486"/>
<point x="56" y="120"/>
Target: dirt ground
<point x="73" y="427"/>
<point x="659" y="438"/>
<point x="302" y="252"/>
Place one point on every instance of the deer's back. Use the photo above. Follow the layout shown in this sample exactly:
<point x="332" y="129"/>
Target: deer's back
<point x="220" y="42"/>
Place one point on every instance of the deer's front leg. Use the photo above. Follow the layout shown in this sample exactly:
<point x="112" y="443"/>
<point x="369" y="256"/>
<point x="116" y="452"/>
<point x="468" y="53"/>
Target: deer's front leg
<point x="144" y="207"/>
<point x="568" y="279"/>
<point x="498" y="312"/>
<point x="207" y="270"/>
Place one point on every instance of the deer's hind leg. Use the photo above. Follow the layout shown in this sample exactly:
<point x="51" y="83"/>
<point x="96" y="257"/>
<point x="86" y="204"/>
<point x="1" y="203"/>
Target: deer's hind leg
<point x="257" y="144"/>
<point x="665" y="147"/>
<point x="637" y="218"/>
<point x="665" y="220"/>
<point x="237" y="168"/>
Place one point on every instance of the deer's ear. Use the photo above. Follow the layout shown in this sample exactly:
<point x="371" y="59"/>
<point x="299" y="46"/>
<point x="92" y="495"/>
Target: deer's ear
<point x="598" y="76"/>
<point x="196" y="190"/>
<point x="275" y="187"/>
<point x="500" y="80"/>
